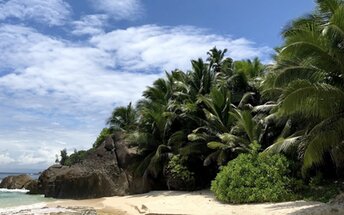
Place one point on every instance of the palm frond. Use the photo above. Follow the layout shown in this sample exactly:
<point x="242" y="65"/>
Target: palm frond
<point x="246" y="122"/>
<point x="312" y="100"/>
<point x="284" y="144"/>
<point x="323" y="138"/>
<point x="193" y="148"/>
<point x="287" y="75"/>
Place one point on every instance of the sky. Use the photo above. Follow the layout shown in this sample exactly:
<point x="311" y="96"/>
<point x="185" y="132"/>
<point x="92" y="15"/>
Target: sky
<point x="65" y="64"/>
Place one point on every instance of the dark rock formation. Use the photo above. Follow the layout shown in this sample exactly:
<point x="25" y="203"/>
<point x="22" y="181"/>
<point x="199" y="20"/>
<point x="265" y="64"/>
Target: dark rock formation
<point x="16" y="182"/>
<point x="102" y="173"/>
<point x="109" y="144"/>
<point x="33" y="187"/>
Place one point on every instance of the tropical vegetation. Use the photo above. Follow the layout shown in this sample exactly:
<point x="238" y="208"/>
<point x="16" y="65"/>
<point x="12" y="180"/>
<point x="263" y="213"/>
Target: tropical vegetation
<point x="75" y="157"/>
<point x="257" y="129"/>
<point x="254" y="178"/>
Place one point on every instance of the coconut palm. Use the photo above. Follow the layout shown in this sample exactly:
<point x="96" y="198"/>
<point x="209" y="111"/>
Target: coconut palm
<point x="221" y="66"/>
<point x="310" y="72"/>
<point x="252" y="68"/>
<point x="123" y="118"/>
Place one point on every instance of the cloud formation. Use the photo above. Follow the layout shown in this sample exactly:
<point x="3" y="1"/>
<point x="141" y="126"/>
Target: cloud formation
<point x="51" y="12"/>
<point x="90" y="24"/>
<point x="152" y="47"/>
<point x="56" y="92"/>
<point x="119" y="9"/>
<point x="5" y="159"/>
<point x="44" y="81"/>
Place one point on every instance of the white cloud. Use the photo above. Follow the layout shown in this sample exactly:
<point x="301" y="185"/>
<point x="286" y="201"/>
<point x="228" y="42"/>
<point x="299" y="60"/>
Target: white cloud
<point x="52" y="12"/>
<point x="90" y="24"/>
<point x="56" y="93"/>
<point x="70" y="75"/>
<point x="119" y="9"/>
<point x="150" y="46"/>
<point x="35" y="146"/>
<point x="5" y="159"/>
<point x="64" y="89"/>
<point x="41" y="154"/>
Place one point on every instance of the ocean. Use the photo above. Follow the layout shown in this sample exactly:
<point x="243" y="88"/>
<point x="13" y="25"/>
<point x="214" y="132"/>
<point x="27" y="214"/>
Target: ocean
<point x="15" y="198"/>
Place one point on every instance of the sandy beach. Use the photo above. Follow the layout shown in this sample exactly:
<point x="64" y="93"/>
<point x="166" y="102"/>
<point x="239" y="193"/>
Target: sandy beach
<point x="192" y="203"/>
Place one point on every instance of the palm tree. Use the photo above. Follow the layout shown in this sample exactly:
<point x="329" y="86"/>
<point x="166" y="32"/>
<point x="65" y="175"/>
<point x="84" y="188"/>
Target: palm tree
<point x="252" y="69"/>
<point x="222" y="67"/>
<point x="123" y="118"/>
<point x="183" y="112"/>
<point x="226" y="129"/>
<point x="310" y="72"/>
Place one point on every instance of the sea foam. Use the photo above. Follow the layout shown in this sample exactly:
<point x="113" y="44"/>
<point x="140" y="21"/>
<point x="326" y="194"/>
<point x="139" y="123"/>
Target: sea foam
<point x="37" y="209"/>
<point x="4" y="190"/>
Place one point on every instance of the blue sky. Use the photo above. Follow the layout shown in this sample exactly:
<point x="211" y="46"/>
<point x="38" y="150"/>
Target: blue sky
<point x="65" y="64"/>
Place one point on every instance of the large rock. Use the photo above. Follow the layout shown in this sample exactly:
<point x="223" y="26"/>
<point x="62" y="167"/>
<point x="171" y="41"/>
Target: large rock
<point x="16" y="182"/>
<point x="33" y="187"/>
<point x="338" y="200"/>
<point x="102" y="173"/>
<point x="46" y="177"/>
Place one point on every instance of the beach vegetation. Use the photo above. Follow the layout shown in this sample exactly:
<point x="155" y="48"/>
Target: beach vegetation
<point x="179" y="177"/>
<point x="74" y="158"/>
<point x="257" y="129"/>
<point x="105" y="132"/>
<point x="254" y="177"/>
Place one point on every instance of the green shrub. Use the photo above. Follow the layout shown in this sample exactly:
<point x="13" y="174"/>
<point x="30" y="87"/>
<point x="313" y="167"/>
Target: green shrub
<point x="76" y="157"/>
<point x="328" y="189"/>
<point x="178" y="175"/>
<point x="253" y="178"/>
<point x="101" y="137"/>
<point x="64" y="157"/>
<point x="317" y="180"/>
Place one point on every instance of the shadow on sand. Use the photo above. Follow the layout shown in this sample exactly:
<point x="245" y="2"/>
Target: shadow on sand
<point x="310" y="208"/>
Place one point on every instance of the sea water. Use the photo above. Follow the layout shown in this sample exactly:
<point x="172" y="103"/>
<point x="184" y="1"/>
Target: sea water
<point x="14" y="198"/>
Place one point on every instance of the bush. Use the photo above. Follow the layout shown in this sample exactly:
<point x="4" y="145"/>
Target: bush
<point x="64" y="157"/>
<point x="101" y="137"/>
<point x="253" y="178"/>
<point x="178" y="175"/>
<point x="76" y="157"/>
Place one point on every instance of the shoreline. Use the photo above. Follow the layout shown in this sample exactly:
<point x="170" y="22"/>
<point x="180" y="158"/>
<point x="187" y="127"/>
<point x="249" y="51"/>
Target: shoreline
<point x="172" y="203"/>
<point x="194" y="203"/>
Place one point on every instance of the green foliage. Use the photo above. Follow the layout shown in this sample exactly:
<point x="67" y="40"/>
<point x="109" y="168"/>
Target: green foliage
<point x="102" y="136"/>
<point x="64" y="156"/>
<point x="297" y="185"/>
<point x="309" y="73"/>
<point x="252" y="69"/>
<point x="179" y="177"/>
<point x="220" y="109"/>
<point x="317" y="180"/>
<point x="327" y="188"/>
<point x="253" y="178"/>
<point x="76" y="157"/>
<point x="123" y="118"/>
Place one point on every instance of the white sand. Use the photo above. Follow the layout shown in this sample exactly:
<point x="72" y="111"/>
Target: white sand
<point x="197" y="203"/>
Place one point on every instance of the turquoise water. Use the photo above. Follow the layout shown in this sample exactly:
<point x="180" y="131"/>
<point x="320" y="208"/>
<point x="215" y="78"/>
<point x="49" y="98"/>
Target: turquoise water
<point x="14" y="198"/>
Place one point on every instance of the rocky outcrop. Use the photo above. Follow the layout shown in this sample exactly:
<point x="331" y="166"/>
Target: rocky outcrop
<point x="104" y="172"/>
<point x="338" y="200"/>
<point x="33" y="188"/>
<point x="16" y="182"/>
